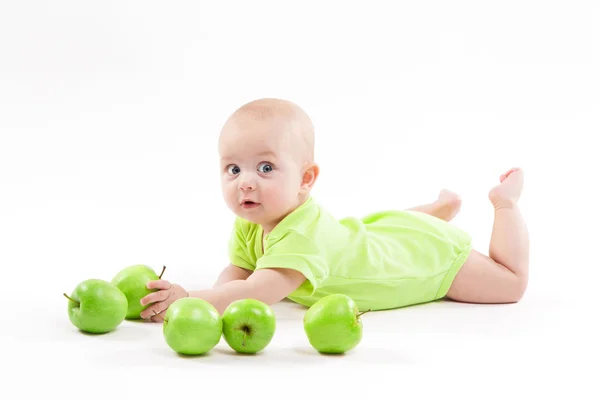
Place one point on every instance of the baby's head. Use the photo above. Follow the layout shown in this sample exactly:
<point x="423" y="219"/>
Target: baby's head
<point x="267" y="160"/>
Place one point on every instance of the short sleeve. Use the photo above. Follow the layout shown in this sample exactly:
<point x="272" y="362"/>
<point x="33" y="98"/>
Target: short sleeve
<point x="239" y="246"/>
<point x="295" y="251"/>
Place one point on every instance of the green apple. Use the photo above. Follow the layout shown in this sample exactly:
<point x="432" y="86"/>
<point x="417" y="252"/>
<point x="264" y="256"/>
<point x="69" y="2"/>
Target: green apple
<point x="132" y="282"/>
<point x="248" y="325"/>
<point x="333" y="325"/>
<point x="96" y="306"/>
<point x="192" y="326"/>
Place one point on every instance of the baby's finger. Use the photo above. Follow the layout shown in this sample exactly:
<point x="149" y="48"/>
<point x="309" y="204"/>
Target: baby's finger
<point x="160" y="284"/>
<point x="160" y="317"/>
<point x="153" y="310"/>
<point x="154" y="297"/>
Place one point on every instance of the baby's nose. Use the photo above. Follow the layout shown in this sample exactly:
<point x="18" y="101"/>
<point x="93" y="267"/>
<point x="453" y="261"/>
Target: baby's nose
<point x="246" y="183"/>
<point x="246" y="186"/>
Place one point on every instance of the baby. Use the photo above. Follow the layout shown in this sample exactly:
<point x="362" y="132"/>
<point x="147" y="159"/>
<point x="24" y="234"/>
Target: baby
<point x="285" y="245"/>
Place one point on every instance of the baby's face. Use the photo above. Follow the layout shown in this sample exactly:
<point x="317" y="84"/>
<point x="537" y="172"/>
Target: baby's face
<point x="261" y="176"/>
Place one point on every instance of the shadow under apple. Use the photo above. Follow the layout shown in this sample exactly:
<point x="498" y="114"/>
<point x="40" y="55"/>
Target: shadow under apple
<point x="126" y="332"/>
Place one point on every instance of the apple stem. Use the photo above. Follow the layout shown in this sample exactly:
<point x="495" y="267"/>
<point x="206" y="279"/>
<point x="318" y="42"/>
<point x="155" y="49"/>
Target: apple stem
<point x="244" y="341"/>
<point x="64" y="294"/>
<point x="364" y="312"/>
<point x="162" y="272"/>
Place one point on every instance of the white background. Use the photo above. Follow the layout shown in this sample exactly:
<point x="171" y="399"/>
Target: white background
<point x="109" y="118"/>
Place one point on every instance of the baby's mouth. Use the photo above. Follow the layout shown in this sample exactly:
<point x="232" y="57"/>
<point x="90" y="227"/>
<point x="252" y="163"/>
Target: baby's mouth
<point x="250" y="204"/>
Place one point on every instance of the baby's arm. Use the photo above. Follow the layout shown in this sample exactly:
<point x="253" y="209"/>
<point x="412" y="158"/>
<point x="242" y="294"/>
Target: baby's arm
<point x="232" y="273"/>
<point x="269" y="285"/>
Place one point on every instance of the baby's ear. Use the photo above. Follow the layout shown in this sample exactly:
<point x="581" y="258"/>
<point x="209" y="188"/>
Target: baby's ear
<point x="311" y="172"/>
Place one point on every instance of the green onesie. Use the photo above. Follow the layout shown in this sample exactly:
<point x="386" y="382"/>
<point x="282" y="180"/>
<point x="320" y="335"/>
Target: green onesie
<point x="385" y="260"/>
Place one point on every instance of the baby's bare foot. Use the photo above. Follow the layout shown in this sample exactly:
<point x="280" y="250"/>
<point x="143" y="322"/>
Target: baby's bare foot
<point x="508" y="192"/>
<point x="449" y="205"/>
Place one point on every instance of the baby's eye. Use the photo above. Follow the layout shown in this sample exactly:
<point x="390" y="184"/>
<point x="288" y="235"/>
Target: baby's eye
<point x="265" y="168"/>
<point x="233" y="169"/>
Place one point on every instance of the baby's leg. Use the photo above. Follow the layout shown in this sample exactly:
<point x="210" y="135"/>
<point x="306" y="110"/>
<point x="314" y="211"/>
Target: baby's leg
<point x="445" y="207"/>
<point x="501" y="277"/>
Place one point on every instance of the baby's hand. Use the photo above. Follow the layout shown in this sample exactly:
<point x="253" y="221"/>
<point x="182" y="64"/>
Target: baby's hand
<point x="166" y="294"/>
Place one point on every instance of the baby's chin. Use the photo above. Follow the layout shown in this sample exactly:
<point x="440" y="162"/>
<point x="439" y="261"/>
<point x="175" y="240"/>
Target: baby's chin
<point x="251" y="218"/>
<point x="258" y="216"/>
<point x="255" y="215"/>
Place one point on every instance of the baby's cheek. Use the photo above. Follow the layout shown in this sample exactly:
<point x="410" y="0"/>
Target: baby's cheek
<point x="275" y="194"/>
<point x="230" y="194"/>
<point x="271" y="193"/>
